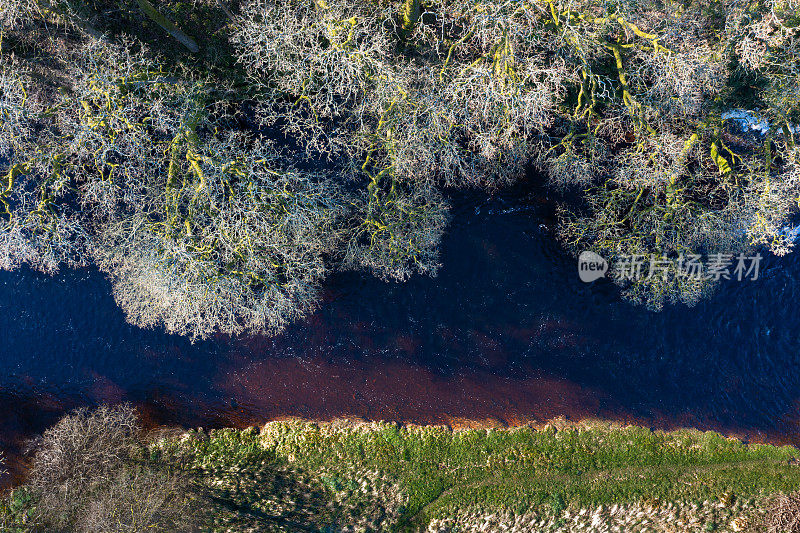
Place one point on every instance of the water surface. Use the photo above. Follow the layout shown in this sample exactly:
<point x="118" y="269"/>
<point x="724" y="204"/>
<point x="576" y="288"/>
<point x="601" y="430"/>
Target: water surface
<point x="507" y="332"/>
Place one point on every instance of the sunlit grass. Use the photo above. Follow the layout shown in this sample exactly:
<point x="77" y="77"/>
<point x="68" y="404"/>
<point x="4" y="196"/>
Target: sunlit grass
<point x="439" y="472"/>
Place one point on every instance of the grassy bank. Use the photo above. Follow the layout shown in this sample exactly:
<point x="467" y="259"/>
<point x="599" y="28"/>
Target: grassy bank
<point x="380" y="476"/>
<point x="99" y="471"/>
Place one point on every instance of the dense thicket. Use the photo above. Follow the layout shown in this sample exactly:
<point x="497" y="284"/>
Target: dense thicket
<point x="218" y="185"/>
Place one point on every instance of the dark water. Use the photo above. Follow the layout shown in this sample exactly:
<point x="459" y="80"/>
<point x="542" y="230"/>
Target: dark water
<point x="506" y="332"/>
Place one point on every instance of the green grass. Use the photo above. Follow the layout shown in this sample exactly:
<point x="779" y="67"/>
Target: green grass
<point x="441" y="472"/>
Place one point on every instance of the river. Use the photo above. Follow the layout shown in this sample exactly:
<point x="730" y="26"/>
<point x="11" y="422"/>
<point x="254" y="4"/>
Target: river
<point x="506" y="334"/>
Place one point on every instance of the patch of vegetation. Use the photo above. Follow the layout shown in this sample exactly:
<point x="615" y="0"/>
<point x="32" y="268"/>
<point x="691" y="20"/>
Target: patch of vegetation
<point x="443" y="472"/>
<point x="347" y="476"/>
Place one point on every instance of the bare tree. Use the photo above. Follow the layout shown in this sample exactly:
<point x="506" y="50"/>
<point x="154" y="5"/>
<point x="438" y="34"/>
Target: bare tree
<point x="783" y="514"/>
<point x="681" y="180"/>
<point x="37" y="226"/>
<point x="202" y="227"/>
<point x="399" y="232"/>
<point x="90" y="473"/>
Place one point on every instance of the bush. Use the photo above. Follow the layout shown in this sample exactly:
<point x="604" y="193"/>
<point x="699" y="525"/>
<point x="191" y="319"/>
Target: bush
<point x="783" y="514"/>
<point x="91" y="473"/>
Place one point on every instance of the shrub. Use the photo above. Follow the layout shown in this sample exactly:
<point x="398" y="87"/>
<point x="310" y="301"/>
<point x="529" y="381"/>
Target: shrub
<point x="90" y="473"/>
<point x="783" y="514"/>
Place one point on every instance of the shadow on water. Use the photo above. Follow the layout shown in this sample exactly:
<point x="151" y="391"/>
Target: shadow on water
<point x="506" y="332"/>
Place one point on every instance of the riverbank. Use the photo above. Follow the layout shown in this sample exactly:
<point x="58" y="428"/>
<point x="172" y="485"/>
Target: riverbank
<point x="352" y="475"/>
<point x="506" y="332"/>
<point x="590" y="476"/>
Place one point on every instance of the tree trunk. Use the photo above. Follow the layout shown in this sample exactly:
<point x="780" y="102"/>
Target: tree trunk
<point x="167" y="25"/>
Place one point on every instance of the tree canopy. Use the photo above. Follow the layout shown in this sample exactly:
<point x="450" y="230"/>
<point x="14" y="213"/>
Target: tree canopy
<point x="218" y="177"/>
